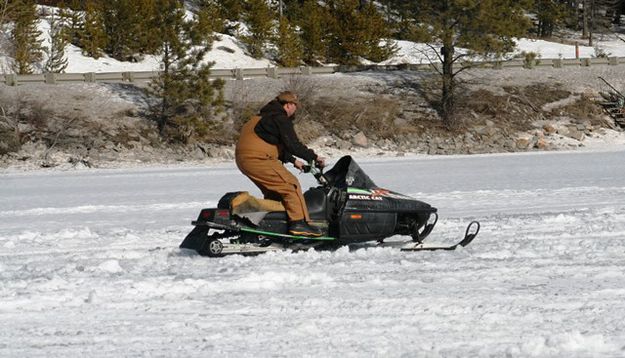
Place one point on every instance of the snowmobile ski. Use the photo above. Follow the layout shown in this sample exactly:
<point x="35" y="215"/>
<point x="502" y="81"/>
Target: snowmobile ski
<point x="471" y="232"/>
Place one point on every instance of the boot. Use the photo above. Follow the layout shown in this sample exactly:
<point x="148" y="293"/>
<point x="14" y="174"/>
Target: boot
<point x="302" y="228"/>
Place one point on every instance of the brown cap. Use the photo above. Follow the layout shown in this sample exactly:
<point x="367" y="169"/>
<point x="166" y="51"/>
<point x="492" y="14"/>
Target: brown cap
<point x="287" y="97"/>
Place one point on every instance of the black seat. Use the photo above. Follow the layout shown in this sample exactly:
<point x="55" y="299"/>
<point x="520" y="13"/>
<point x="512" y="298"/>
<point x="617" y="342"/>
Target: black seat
<point x="276" y="215"/>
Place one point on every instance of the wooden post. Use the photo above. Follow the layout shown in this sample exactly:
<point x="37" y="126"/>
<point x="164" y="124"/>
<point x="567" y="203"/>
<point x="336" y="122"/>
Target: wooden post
<point x="50" y="78"/>
<point x="10" y="79"/>
<point x="128" y="76"/>
<point x="586" y="62"/>
<point x="238" y="73"/>
<point x="272" y="72"/>
<point x="89" y="77"/>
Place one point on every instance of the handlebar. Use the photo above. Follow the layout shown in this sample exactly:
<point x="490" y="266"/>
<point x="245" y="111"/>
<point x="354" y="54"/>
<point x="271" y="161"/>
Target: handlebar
<point x="316" y="171"/>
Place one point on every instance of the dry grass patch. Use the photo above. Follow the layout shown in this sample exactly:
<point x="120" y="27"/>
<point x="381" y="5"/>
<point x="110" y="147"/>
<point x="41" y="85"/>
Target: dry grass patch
<point x="586" y="107"/>
<point x="372" y="116"/>
<point x="538" y="94"/>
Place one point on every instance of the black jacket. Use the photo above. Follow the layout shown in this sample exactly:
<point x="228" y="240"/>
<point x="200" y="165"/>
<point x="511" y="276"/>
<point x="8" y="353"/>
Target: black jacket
<point x="275" y="127"/>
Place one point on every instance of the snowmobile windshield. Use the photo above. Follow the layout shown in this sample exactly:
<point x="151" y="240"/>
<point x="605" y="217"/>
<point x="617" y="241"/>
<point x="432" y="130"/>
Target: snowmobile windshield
<point x="346" y="173"/>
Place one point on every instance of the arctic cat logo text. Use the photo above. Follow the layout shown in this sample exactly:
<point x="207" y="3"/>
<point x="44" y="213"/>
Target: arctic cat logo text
<point x="364" y="197"/>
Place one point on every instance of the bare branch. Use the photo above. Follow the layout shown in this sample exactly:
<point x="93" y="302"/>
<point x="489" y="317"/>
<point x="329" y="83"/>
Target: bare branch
<point x="3" y="10"/>
<point x="4" y="5"/>
<point x="440" y="59"/>
<point x="8" y="116"/>
<point x="462" y="69"/>
<point x="455" y="59"/>
<point x="65" y="125"/>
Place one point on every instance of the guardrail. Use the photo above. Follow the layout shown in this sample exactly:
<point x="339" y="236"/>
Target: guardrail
<point x="277" y="72"/>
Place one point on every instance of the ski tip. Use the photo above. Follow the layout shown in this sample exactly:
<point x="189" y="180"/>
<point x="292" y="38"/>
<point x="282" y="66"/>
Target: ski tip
<point x="472" y="230"/>
<point x="472" y="224"/>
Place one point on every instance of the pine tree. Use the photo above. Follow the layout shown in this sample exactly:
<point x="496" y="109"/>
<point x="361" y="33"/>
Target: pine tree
<point x="4" y="4"/>
<point x="57" y="62"/>
<point x="72" y="20"/>
<point x="291" y="9"/>
<point x="119" y="19"/>
<point x="289" y="46"/>
<point x="314" y="28"/>
<point x="184" y="79"/>
<point x="217" y="14"/>
<point x="550" y="14"/>
<point x="143" y="39"/>
<point x="130" y="28"/>
<point x="620" y="10"/>
<point x="598" y="16"/>
<point x="27" y="47"/>
<point x="206" y="23"/>
<point x="226" y="14"/>
<point x="400" y="16"/>
<point x="259" y="19"/>
<point x="376" y="30"/>
<point x="92" y="38"/>
<point x="357" y="31"/>
<point x="484" y="27"/>
<point x="346" y="46"/>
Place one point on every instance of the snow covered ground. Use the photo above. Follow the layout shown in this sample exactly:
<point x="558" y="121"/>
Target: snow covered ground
<point x="89" y="266"/>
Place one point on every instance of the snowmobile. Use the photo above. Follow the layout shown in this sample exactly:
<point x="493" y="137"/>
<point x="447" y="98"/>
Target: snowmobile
<point x="347" y="205"/>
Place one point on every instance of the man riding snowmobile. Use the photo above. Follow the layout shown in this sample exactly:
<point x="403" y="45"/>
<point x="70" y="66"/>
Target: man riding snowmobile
<point x="267" y="141"/>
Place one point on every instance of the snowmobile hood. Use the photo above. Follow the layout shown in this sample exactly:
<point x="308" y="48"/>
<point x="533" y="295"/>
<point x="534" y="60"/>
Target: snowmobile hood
<point x="347" y="173"/>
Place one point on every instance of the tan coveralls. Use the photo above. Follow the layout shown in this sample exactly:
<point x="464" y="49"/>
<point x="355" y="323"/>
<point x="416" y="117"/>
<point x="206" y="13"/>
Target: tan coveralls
<point x="258" y="160"/>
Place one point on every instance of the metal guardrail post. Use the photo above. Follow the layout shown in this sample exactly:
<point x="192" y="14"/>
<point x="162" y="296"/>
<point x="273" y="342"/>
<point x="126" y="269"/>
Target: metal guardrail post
<point x="10" y="79"/>
<point x="128" y="76"/>
<point x="307" y="71"/>
<point x="89" y="77"/>
<point x="272" y="72"/>
<point x="586" y="62"/>
<point x="557" y="63"/>
<point x="238" y="73"/>
<point x="50" y="78"/>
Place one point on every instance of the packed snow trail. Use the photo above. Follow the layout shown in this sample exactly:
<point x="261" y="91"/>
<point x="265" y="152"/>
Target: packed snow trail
<point x="90" y="266"/>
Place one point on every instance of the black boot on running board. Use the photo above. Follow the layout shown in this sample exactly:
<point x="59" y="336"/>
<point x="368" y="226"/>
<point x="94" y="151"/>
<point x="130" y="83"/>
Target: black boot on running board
<point x="302" y="228"/>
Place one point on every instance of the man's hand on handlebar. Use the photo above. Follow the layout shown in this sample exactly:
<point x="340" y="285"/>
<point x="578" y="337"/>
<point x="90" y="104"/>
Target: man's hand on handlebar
<point x="320" y="161"/>
<point x="300" y="165"/>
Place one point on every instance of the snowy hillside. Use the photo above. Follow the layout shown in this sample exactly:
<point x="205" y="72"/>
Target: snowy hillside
<point x="229" y="53"/>
<point x="89" y="266"/>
